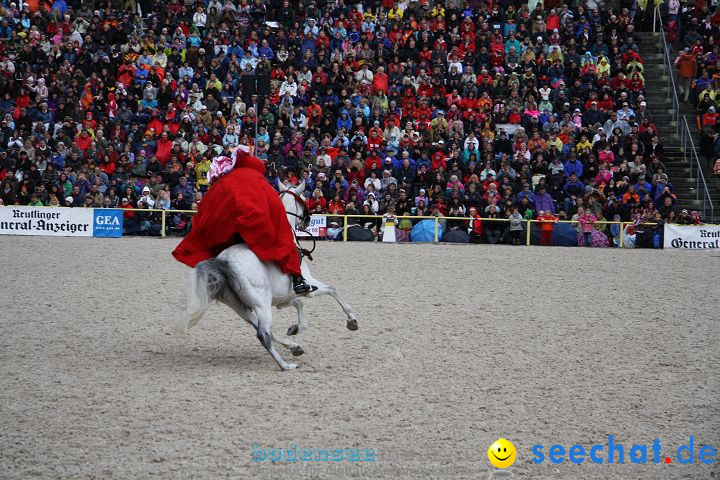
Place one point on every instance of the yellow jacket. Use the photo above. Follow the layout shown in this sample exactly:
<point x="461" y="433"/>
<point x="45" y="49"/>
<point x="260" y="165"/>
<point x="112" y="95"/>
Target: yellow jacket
<point x="601" y="68"/>
<point x="201" y="170"/>
<point x="580" y="146"/>
<point x="395" y="14"/>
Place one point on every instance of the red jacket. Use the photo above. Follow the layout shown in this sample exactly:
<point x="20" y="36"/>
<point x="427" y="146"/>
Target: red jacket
<point x="380" y="82"/>
<point x="547" y="222"/>
<point x="164" y="147"/>
<point x="241" y="203"/>
<point x="475" y="225"/>
<point x="709" y="119"/>
<point x="358" y="175"/>
<point x="83" y="143"/>
<point x="127" y="213"/>
<point x="438" y="160"/>
<point x="313" y="202"/>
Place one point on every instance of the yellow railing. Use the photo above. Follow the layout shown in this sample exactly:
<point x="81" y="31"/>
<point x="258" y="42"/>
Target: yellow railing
<point x="442" y="219"/>
<point x="163" y="213"/>
<point x="437" y="220"/>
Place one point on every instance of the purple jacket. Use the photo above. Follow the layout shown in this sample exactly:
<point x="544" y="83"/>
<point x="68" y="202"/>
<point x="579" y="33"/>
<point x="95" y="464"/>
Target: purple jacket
<point x="544" y="202"/>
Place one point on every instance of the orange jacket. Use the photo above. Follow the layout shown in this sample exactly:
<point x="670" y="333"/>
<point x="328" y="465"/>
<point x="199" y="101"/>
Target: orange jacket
<point x="547" y="222"/>
<point x="628" y="196"/>
<point x="687" y="66"/>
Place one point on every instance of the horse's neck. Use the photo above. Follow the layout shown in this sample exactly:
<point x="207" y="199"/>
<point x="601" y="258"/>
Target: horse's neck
<point x="292" y="208"/>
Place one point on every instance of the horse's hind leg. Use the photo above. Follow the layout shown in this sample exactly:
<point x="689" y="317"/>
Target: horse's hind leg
<point x="264" y="318"/>
<point x="231" y="300"/>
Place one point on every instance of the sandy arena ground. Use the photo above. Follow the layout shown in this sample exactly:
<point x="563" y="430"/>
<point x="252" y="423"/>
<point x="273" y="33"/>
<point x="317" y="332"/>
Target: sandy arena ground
<point x="457" y="346"/>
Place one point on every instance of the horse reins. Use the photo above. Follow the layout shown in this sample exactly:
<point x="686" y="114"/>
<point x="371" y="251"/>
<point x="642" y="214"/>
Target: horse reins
<point x="304" y="251"/>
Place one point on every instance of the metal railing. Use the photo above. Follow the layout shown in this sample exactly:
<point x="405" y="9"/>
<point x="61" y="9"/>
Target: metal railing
<point x="163" y="215"/>
<point x="682" y="128"/>
<point x="616" y="239"/>
<point x="672" y="95"/>
<point x="438" y="220"/>
<point x="701" y="188"/>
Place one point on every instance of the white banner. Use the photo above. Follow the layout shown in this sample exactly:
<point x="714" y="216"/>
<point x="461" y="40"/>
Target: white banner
<point x="692" y="237"/>
<point x="59" y="222"/>
<point x="317" y="227"/>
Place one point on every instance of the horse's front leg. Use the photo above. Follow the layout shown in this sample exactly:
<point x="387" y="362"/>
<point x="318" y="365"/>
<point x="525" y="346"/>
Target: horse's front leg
<point x="332" y="291"/>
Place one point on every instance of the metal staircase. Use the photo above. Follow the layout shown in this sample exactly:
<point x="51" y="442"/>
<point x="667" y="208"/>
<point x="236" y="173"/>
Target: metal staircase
<point x="679" y="134"/>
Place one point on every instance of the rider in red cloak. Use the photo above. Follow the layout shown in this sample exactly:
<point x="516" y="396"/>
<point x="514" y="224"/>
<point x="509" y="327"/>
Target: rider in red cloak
<point x="242" y="207"/>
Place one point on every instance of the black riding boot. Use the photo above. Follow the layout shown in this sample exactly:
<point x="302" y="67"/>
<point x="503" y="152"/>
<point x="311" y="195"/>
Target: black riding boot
<point x="300" y="286"/>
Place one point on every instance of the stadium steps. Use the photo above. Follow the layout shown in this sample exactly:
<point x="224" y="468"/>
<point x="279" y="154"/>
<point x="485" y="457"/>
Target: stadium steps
<point x="660" y="110"/>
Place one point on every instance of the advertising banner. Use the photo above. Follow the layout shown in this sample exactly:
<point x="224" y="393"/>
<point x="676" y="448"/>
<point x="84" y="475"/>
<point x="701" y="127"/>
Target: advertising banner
<point x="692" y="237"/>
<point x="107" y="223"/>
<point x="58" y="222"/>
<point x="316" y="228"/>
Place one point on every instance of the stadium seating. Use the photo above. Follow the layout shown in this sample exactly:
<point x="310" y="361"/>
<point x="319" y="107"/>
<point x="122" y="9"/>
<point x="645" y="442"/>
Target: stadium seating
<point x="431" y="107"/>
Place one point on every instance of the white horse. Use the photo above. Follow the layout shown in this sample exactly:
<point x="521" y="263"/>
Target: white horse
<point x="251" y="287"/>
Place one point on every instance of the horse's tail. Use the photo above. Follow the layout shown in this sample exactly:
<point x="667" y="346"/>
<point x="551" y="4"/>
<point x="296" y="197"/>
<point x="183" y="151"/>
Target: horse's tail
<point x="206" y="283"/>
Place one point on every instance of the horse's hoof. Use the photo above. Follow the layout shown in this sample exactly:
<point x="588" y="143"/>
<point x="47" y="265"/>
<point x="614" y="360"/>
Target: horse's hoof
<point x="291" y="366"/>
<point x="352" y="325"/>
<point x="297" y="351"/>
<point x="293" y="330"/>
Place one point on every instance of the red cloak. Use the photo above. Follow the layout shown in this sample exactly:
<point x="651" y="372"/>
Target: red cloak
<point x="241" y="202"/>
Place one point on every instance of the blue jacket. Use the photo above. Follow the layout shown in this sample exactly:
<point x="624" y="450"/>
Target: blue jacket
<point x="424" y="161"/>
<point x="57" y="161"/>
<point x="343" y="184"/>
<point x="577" y="188"/>
<point x="575" y="167"/>
<point x="344" y="122"/>
<point x="530" y="196"/>
<point x="398" y="164"/>
<point x="60" y="5"/>
<point x="641" y="194"/>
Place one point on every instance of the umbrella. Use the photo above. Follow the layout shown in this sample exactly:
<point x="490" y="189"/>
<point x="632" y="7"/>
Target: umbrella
<point x="565" y="235"/>
<point x="599" y="239"/>
<point x="401" y="235"/>
<point x="356" y="233"/>
<point x="456" y="236"/>
<point x="424" y="231"/>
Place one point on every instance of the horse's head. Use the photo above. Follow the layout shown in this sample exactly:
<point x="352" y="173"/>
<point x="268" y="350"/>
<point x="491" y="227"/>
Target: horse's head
<point x="293" y="201"/>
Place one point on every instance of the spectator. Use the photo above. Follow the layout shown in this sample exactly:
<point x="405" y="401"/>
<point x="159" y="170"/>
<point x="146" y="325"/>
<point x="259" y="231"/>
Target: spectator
<point x="587" y="220"/>
<point x="492" y="225"/>
<point x="515" y="221"/>
<point x="547" y="224"/>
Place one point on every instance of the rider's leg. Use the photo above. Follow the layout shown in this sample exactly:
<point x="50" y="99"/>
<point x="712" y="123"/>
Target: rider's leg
<point x="300" y="286"/>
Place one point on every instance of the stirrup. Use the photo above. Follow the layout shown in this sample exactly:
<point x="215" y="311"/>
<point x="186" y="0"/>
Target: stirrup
<point x="303" y="288"/>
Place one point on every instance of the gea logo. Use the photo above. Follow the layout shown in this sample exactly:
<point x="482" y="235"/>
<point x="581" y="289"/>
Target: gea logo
<point x="107" y="220"/>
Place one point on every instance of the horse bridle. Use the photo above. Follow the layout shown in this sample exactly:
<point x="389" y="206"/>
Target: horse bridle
<point x="297" y="197"/>
<point x="302" y="218"/>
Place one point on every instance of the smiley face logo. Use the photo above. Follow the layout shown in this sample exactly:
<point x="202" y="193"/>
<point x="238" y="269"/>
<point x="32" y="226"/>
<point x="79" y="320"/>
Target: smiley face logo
<point x="502" y="453"/>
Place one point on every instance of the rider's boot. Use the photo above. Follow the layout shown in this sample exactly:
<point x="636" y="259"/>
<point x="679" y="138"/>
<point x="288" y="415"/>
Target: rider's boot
<point x="300" y="286"/>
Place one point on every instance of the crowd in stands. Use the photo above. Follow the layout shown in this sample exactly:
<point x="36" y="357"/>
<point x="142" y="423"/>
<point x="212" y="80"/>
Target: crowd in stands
<point x="452" y="108"/>
<point x="693" y="29"/>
